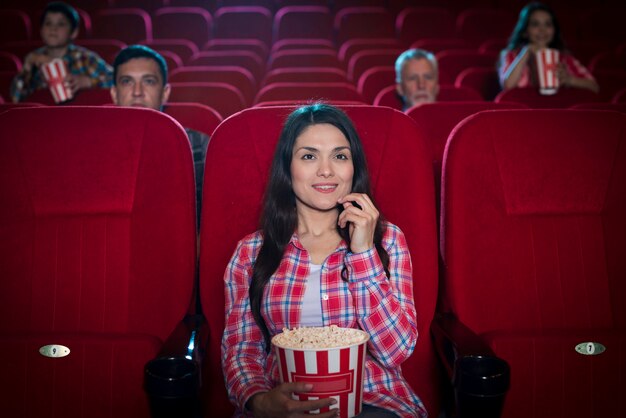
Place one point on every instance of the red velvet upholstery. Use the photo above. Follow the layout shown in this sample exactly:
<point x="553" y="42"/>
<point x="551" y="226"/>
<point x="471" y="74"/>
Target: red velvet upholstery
<point x="478" y="24"/>
<point x="243" y="58"/>
<point x="192" y="23"/>
<point x="194" y="116"/>
<point x="363" y="22"/>
<point x="106" y="48"/>
<point x="363" y="60"/>
<point x="314" y="57"/>
<point x="564" y="98"/>
<point x="236" y="76"/>
<point x="414" y="23"/>
<point x="437" y="120"/>
<point x="534" y="244"/>
<point x="482" y="79"/>
<point x="15" y="25"/>
<point x="128" y="25"/>
<point x="452" y="62"/>
<point x="389" y="96"/>
<point x="10" y="62"/>
<point x="244" y="22"/>
<point x="222" y="97"/>
<point x="303" y="22"/>
<point x="241" y="151"/>
<point x="306" y="74"/>
<point x="308" y="91"/>
<point x="88" y="97"/>
<point x="374" y="79"/>
<point x="97" y="253"/>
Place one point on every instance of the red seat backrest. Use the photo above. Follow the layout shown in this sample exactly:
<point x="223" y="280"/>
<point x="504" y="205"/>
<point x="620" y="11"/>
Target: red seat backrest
<point x="251" y="22"/>
<point x="194" y="116"/>
<point x="453" y="61"/>
<point x="308" y="91"/>
<point x="534" y="246"/>
<point x="314" y="22"/>
<point x="414" y="23"/>
<point x="363" y="22"/>
<point x="224" y="98"/>
<point x="192" y="23"/>
<point x="128" y="25"/>
<point x="484" y="80"/>
<point x="236" y="76"/>
<point x="389" y="96"/>
<point x="564" y="98"/>
<point x="241" y="151"/>
<point x="97" y="253"/>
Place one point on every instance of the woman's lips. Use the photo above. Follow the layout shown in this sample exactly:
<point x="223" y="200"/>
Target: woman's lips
<point x="325" y="187"/>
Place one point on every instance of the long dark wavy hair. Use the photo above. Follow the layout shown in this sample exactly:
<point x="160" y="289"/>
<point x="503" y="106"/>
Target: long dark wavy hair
<point x="279" y="218"/>
<point x="519" y="37"/>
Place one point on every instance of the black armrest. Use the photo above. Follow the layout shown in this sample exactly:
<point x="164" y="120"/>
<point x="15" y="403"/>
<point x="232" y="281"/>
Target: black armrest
<point x="480" y="379"/>
<point x="172" y="379"/>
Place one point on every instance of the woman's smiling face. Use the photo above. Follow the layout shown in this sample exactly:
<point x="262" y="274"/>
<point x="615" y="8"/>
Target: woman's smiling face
<point x="321" y="167"/>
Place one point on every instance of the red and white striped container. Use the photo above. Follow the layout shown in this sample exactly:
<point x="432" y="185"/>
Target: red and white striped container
<point x="333" y="372"/>
<point x="547" y="64"/>
<point x="54" y="72"/>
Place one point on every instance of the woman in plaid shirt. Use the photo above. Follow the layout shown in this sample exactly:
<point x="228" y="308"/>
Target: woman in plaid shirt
<point x="324" y="256"/>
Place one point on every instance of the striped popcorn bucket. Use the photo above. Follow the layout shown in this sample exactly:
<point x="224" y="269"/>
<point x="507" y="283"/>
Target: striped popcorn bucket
<point x="333" y="372"/>
<point x="547" y="63"/>
<point x="54" y="72"/>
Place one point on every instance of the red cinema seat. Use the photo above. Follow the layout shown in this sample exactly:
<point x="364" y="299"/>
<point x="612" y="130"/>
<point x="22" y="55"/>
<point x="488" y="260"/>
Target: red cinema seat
<point x="479" y="24"/>
<point x="354" y="45"/>
<point x="184" y="48"/>
<point x="620" y="96"/>
<point x="241" y="151"/>
<point x="192" y="23"/>
<point x="437" y="120"/>
<point x="484" y="80"/>
<point x="363" y="22"/>
<point x="88" y="97"/>
<point x="194" y="116"/>
<point x="106" y="48"/>
<point x="311" y="91"/>
<point x="98" y="255"/>
<point x="8" y="106"/>
<point x="366" y="59"/>
<point x="373" y="80"/>
<point x="246" y="59"/>
<point x="436" y="45"/>
<point x="236" y="76"/>
<point x="564" y="98"/>
<point x="302" y="43"/>
<point x="222" y="97"/>
<point x="305" y="74"/>
<point x="414" y="23"/>
<point x="248" y="22"/>
<point x="618" y="107"/>
<point x="303" y="22"/>
<point x="452" y="62"/>
<point x="389" y="96"/>
<point x="255" y="46"/>
<point x="610" y="82"/>
<point x="15" y="25"/>
<point x="316" y="57"/>
<point x="128" y="25"/>
<point x="534" y="248"/>
<point x="10" y="62"/>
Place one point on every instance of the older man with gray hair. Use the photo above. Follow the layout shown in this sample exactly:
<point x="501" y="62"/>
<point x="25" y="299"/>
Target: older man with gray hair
<point x="417" y="77"/>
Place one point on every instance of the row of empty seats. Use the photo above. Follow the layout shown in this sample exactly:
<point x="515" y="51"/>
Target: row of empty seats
<point x="473" y="25"/>
<point x="99" y="248"/>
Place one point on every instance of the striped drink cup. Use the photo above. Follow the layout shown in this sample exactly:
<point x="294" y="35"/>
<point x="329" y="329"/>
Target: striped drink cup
<point x="54" y="72"/>
<point x="547" y="64"/>
<point x="335" y="372"/>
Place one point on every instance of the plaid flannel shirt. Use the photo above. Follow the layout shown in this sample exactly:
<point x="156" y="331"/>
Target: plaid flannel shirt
<point x="369" y="300"/>
<point x="79" y="60"/>
<point x="574" y="67"/>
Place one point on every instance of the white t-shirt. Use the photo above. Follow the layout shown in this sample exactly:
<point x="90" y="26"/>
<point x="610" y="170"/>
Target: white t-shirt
<point x="311" y="315"/>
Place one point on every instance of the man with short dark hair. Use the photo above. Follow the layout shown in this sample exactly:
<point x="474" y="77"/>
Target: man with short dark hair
<point x="140" y="80"/>
<point x="59" y="29"/>
<point x="417" y="77"/>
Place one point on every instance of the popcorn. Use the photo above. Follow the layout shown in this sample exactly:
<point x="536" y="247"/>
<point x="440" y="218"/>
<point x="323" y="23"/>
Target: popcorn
<point x="319" y="337"/>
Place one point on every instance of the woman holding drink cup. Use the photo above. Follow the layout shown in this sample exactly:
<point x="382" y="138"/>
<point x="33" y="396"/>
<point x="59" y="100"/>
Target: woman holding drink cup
<point x="537" y="29"/>
<point x="323" y="257"/>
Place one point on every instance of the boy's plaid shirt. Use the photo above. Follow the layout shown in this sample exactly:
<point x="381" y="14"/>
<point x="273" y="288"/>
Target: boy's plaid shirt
<point x="369" y="300"/>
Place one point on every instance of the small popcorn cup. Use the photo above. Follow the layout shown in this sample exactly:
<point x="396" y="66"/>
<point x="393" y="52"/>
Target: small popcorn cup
<point x="547" y="64"/>
<point x="54" y="72"/>
<point x="335" y="372"/>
